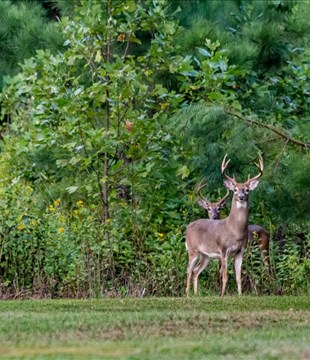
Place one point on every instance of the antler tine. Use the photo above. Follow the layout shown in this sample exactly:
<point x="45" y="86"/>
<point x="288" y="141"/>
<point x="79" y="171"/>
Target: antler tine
<point x="225" y="197"/>
<point x="260" y="166"/>
<point x="224" y="166"/>
<point x="201" y="185"/>
<point x="261" y="163"/>
<point x="224" y="163"/>
<point x="221" y="202"/>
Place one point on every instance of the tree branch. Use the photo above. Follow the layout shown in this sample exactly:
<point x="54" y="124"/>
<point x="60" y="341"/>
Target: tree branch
<point x="271" y="128"/>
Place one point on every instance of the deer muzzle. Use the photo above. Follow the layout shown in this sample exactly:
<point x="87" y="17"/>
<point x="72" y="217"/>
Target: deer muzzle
<point x="242" y="196"/>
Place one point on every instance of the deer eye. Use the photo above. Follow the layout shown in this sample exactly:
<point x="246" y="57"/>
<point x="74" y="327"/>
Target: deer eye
<point x="236" y="190"/>
<point x="246" y="190"/>
<point x="208" y="209"/>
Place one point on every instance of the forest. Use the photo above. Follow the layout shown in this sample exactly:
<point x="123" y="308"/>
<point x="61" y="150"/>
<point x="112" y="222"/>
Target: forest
<point x="112" y="114"/>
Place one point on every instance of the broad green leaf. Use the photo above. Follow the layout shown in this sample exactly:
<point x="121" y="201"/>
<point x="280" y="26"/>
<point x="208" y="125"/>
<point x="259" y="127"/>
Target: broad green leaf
<point x="98" y="56"/>
<point x="183" y="172"/>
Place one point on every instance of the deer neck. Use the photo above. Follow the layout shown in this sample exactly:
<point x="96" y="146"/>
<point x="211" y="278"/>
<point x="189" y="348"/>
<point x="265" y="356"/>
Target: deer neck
<point x="239" y="213"/>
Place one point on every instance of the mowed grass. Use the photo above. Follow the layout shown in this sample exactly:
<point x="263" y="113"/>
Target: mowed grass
<point x="234" y="327"/>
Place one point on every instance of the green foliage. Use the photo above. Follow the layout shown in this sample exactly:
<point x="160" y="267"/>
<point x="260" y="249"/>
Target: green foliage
<point x="258" y="35"/>
<point x="97" y="121"/>
<point x="292" y="266"/>
<point x="23" y="29"/>
<point x="107" y="140"/>
<point x="66" y="8"/>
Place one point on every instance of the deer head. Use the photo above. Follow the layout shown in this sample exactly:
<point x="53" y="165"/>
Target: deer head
<point x="213" y="208"/>
<point x="241" y="190"/>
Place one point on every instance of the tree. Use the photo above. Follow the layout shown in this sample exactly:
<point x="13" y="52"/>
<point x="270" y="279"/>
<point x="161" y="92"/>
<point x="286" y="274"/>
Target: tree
<point x="24" y="28"/>
<point x="97" y="120"/>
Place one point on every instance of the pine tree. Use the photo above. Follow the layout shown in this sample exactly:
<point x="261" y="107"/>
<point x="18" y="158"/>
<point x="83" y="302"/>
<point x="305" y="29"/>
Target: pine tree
<point x="24" y="28"/>
<point x="261" y="34"/>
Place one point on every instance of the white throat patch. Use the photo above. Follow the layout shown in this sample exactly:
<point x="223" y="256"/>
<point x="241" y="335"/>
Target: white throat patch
<point x="242" y="204"/>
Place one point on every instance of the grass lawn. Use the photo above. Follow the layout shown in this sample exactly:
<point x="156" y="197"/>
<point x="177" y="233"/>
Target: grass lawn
<point x="234" y="327"/>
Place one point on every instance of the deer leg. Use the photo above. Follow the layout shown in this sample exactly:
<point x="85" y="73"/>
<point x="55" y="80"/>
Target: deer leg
<point x="204" y="261"/>
<point x="223" y="272"/>
<point x="191" y="265"/>
<point x="238" y="264"/>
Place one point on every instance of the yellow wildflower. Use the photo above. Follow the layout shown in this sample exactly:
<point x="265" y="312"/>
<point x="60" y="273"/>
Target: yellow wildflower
<point x="61" y="230"/>
<point x="57" y="202"/>
<point x="21" y="226"/>
<point x="163" y="106"/>
<point x="80" y="203"/>
<point x="161" y="235"/>
<point x="51" y="208"/>
<point x="33" y="222"/>
<point x="75" y="212"/>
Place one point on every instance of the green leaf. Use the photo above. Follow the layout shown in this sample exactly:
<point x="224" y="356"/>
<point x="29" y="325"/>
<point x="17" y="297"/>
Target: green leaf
<point x="191" y="73"/>
<point x="204" y="52"/>
<point x="72" y="189"/>
<point x="134" y="40"/>
<point x="215" y="96"/>
<point x="98" y="56"/>
<point x="183" y="172"/>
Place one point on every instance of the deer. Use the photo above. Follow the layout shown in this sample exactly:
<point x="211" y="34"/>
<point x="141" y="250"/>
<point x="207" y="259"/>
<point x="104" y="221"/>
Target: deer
<point x="256" y="233"/>
<point x="208" y="239"/>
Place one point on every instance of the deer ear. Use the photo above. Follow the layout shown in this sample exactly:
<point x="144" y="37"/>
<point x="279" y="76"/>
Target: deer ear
<point x="253" y="184"/>
<point x="229" y="184"/>
<point x="203" y="203"/>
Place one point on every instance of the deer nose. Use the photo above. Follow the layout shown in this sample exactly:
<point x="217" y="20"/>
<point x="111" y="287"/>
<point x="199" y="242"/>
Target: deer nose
<point x="241" y="196"/>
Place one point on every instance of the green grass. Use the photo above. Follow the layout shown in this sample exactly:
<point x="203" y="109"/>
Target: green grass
<point x="157" y="328"/>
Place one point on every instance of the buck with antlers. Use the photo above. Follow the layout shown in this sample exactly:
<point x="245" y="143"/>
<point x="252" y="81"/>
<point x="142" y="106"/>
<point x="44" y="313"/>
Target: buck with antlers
<point x="256" y="233"/>
<point x="220" y="239"/>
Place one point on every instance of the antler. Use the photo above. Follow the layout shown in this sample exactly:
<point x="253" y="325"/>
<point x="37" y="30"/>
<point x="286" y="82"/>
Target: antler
<point x="260" y="166"/>
<point x="224" y="166"/>
<point x="201" y="185"/>
<point x="203" y="202"/>
<point x="223" y="200"/>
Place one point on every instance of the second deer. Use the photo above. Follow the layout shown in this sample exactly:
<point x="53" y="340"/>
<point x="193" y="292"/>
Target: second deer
<point x="220" y="239"/>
